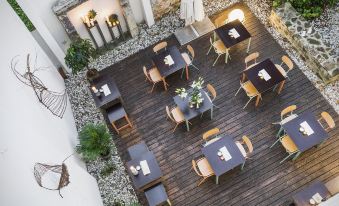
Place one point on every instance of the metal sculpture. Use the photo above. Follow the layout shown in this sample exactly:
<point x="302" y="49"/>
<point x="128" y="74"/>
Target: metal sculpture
<point x="55" y="102"/>
<point x="44" y="173"/>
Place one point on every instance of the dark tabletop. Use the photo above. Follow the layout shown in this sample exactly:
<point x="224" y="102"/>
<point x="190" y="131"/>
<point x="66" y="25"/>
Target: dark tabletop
<point x="304" y="142"/>
<point x="221" y="166"/>
<point x="260" y="84"/>
<point x="103" y="101"/>
<point x="190" y="113"/>
<point x="164" y="69"/>
<point x="228" y="41"/>
<point x="142" y="181"/>
<point x="302" y="198"/>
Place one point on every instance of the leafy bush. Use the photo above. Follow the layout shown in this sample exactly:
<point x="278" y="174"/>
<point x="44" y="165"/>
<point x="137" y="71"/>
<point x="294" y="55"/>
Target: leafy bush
<point x="21" y="14"/>
<point x="309" y="9"/>
<point x="94" y="141"/>
<point x="79" y="54"/>
<point x="108" y="169"/>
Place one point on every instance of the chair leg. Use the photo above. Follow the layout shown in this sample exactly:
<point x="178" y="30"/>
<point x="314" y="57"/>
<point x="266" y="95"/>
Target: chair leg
<point x="247" y="103"/>
<point x="182" y="73"/>
<point x="216" y="59"/>
<point x="280" y="130"/>
<point x="169" y="202"/>
<point x="129" y="122"/>
<point x="115" y="128"/>
<point x="237" y="91"/>
<point x="209" y="49"/>
<point x="275" y="143"/>
<point x="195" y="67"/>
<point x="203" y="180"/>
<point x="152" y="88"/>
<point x="242" y="166"/>
<point x="275" y="87"/>
<point x="289" y="155"/>
<point x="175" y="128"/>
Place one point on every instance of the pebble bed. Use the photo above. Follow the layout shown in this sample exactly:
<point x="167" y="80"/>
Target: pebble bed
<point x="116" y="187"/>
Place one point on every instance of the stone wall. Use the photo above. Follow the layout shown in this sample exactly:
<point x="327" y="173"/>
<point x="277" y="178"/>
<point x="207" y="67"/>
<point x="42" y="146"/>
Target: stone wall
<point x="318" y="56"/>
<point x="162" y="7"/>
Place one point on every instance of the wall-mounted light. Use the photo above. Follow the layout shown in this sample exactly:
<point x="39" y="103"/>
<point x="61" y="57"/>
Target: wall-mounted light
<point x="236" y="14"/>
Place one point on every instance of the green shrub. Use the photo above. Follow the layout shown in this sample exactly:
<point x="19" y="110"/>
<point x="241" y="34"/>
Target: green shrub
<point x="21" y="14"/>
<point x="309" y="9"/>
<point x="79" y="54"/>
<point x="108" y="169"/>
<point x="94" y="141"/>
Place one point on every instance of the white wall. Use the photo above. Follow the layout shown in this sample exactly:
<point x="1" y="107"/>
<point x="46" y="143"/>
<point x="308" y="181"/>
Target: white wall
<point x="137" y="10"/>
<point x="30" y="133"/>
<point x="103" y="8"/>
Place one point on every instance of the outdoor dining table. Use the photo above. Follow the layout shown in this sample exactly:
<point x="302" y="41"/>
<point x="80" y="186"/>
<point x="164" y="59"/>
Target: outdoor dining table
<point x="263" y="85"/>
<point x="305" y="142"/>
<point x="303" y="197"/>
<point x="141" y="181"/>
<point x="190" y="113"/>
<point x="228" y="40"/>
<point x="218" y="165"/>
<point x="105" y="101"/>
<point x="166" y="69"/>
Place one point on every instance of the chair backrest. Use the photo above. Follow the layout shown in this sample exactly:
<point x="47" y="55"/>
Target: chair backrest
<point x="211" y="90"/>
<point x="287" y="110"/>
<point x="160" y="46"/>
<point x="220" y="21"/>
<point x="251" y="57"/>
<point x="328" y="119"/>
<point x="195" y="168"/>
<point x="287" y="61"/>
<point x="210" y="133"/>
<point x="248" y="143"/>
<point x="169" y="114"/>
<point x="211" y="41"/>
<point x="191" y="51"/>
<point x="146" y="73"/>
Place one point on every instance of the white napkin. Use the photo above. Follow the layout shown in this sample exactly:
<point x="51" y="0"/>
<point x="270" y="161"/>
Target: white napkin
<point x="169" y="60"/>
<point x="307" y="128"/>
<point x="317" y="198"/>
<point x="106" y="90"/>
<point x="264" y="73"/>
<point x="233" y="33"/>
<point x="225" y="153"/>
<point x="144" y="167"/>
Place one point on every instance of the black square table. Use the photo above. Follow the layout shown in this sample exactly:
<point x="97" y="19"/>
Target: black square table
<point x="190" y="113"/>
<point x="104" y="102"/>
<point x="141" y="181"/>
<point x="302" y="198"/>
<point x="229" y="41"/>
<point x="260" y="84"/>
<point x="304" y="142"/>
<point x="166" y="70"/>
<point x="221" y="166"/>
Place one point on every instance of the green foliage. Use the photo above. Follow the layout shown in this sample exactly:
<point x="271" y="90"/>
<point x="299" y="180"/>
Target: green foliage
<point x="92" y="14"/>
<point x="21" y="14"/>
<point x="309" y="9"/>
<point x="94" y="141"/>
<point x="108" y="169"/>
<point x="79" y="54"/>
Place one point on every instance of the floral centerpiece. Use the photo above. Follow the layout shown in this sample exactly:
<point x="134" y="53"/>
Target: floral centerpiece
<point x="195" y="96"/>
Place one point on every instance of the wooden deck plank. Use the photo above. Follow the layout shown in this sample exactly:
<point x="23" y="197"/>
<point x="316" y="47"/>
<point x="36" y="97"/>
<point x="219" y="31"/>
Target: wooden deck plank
<point x="263" y="181"/>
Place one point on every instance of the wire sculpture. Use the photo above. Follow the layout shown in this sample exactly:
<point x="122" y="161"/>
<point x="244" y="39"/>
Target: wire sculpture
<point x="41" y="170"/>
<point x="55" y="102"/>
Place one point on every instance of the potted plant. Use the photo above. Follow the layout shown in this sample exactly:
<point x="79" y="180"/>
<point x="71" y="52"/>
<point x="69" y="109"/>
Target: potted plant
<point x="94" y="141"/>
<point x="181" y="92"/>
<point x="79" y="54"/>
<point x="92" y="14"/>
<point x="195" y="96"/>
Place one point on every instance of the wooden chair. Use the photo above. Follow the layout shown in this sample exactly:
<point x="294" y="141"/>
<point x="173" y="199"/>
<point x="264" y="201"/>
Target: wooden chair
<point x="250" y="61"/>
<point x="137" y="150"/>
<point x="333" y="186"/>
<point x="175" y="115"/>
<point x="212" y="92"/>
<point x="210" y="133"/>
<point x="218" y="47"/>
<point x="154" y="76"/>
<point x="116" y="113"/>
<point x="289" y="146"/>
<point x="286" y="115"/>
<point x="160" y="46"/>
<point x="250" y="90"/>
<point x="245" y="141"/>
<point x="202" y="168"/>
<point x="328" y="119"/>
<point x="189" y="57"/>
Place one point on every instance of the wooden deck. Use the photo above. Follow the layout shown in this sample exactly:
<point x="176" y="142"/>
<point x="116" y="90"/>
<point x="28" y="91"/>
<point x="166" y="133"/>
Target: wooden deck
<point x="263" y="181"/>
